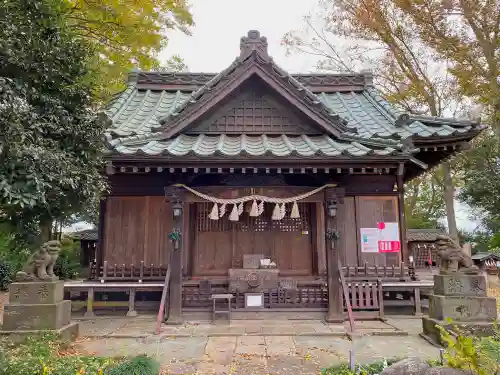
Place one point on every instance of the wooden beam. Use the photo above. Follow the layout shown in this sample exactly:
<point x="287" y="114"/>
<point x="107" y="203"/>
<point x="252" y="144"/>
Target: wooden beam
<point x="100" y="248"/>
<point x="401" y="212"/>
<point x="320" y="238"/>
<point x="175" y="196"/>
<point x="335" y="307"/>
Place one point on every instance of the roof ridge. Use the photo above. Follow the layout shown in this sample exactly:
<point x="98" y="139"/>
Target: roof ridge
<point x="319" y="79"/>
<point x="259" y="59"/>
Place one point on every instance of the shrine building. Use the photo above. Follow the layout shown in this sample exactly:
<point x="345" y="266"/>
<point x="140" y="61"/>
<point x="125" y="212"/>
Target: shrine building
<point x="256" y="181"/>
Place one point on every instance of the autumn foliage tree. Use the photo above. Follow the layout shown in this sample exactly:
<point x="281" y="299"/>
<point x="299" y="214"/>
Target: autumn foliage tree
<point x="126" y="34"/>
<point x="410" y="74"/>
<point x="465" y="33"/>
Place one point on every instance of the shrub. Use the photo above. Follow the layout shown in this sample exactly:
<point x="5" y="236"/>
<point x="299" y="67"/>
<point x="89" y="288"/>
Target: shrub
<point x="140" y="365"/>
<point x="14" y="252"/>
<point x="43" y="355"/>
<point x="5" y="275"/>
<point x="481" y="355"/>
<point x="370" y="369"/>
<point x="68" y="263"/>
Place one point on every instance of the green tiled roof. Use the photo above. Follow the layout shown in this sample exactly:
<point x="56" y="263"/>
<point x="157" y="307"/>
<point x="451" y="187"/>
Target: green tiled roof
<point x="137" y="113"/>
<point x="258" y="145"/>
<point x="151" y="116"/>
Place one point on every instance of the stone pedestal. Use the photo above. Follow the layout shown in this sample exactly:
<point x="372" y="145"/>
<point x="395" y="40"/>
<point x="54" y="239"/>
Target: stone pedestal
<point x="37" y="307"/>
<point x="463" y="299"/>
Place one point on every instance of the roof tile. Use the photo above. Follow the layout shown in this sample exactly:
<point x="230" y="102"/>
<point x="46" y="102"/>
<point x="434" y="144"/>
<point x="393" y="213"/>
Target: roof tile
<point x="259" y="145"/>
<point x="423" y="235"/>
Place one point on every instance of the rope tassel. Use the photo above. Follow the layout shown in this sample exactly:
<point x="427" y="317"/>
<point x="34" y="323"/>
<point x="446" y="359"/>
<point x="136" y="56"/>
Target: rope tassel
<point x="282" y="211"/>
<point x="276" y="212"/>
<point x="214" y="215"/>
<point x="255" y="209"/>
<point x="234" y="213"/>
<point x="222" y="210"/>
<point x="295" y="211"/>
<point x="260" y="209"/>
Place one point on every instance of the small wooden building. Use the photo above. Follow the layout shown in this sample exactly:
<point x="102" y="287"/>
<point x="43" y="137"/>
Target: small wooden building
<point x="488" y="262"/>
<point x="209" y="173"/>
<point x="422" y="247"/>
<point x="88" y="247"/>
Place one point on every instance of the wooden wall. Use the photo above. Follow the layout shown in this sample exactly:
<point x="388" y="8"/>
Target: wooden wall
<point x="136" y="229"/>
<point x="221" y="244"/>
<point x="138" y="220"/>
<point x="364" y="212"/>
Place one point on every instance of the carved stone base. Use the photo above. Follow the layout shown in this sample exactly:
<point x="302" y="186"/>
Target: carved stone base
<point x="460" y="285"/>
<point x="461" y="298"/>
<point x="37" y="307"/>
<point x="433" y="335"/>
<point x="463" y="308"/>
<point x="67" y="333"/>
<point x="50" y="316"/>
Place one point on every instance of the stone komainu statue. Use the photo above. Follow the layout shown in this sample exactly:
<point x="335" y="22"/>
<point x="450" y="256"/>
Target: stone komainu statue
<point x="40" y="265"/>
<point x="453" y="258"/>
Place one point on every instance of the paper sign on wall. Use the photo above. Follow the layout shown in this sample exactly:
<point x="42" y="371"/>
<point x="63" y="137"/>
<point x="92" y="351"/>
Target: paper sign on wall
<point x="383" y="239"/>
<point x="369" y="240"/>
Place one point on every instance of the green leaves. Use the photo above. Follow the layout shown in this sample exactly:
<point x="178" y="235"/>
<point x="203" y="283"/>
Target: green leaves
<point x="126" y="34"/>
<point x="50" y="164"/>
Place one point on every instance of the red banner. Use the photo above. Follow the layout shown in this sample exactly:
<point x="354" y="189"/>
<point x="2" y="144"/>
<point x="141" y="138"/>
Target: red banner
<point x="389" y="246"/>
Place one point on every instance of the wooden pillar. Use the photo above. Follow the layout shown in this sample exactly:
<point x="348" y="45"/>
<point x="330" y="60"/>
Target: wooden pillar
<point x="175" y="196"/>
<point x="100" y="237"/>
<point x="335" y="309"/>
<point x="401" y="209"/>
<point x="320" y="238"/>
<point x="90" y="303"/>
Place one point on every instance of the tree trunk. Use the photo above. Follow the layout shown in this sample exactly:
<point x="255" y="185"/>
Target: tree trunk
<point x="449" y="200"/>
<point x="45" y="231"/>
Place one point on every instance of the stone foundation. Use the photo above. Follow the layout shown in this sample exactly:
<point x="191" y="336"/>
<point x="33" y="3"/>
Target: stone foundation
<point x="432" y="334"/>
<point x="38" y="307"/>
<point x="461" y="298"/>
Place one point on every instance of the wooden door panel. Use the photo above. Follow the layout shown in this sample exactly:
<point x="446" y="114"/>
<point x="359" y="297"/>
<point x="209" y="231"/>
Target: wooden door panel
<point x="221" y="244"/>
<point x="370" y="211"/>
<point x="136" y="230"/>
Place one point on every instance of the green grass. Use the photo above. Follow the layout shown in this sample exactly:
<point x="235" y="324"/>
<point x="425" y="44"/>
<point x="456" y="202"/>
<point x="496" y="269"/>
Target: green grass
<point x="369" y="369"/>
<point x="140" y="365"/>
<point x="45" y="355"/>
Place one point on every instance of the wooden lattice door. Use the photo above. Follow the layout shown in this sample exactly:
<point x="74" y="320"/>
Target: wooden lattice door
<point x="221" y="244"/>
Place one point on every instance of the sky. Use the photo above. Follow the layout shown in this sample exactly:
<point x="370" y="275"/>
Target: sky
<point x="214" y="44"/>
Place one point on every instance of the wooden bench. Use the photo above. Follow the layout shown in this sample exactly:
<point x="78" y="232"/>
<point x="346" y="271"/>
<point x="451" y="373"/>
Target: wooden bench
<point x="130" y="288"/>
<point x="366" y="299"/>
<point x="415" y="287"/>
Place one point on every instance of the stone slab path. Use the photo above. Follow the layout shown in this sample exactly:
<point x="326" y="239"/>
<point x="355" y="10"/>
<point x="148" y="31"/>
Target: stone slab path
<point x="252" y="353"/>
<point x="144" y="326"/>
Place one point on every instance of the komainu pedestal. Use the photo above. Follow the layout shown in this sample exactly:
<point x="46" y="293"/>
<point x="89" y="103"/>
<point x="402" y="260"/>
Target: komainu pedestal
<point x="463" y="299"/>
<point x="459" y="294"/>
<point x="36" y="307"/>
